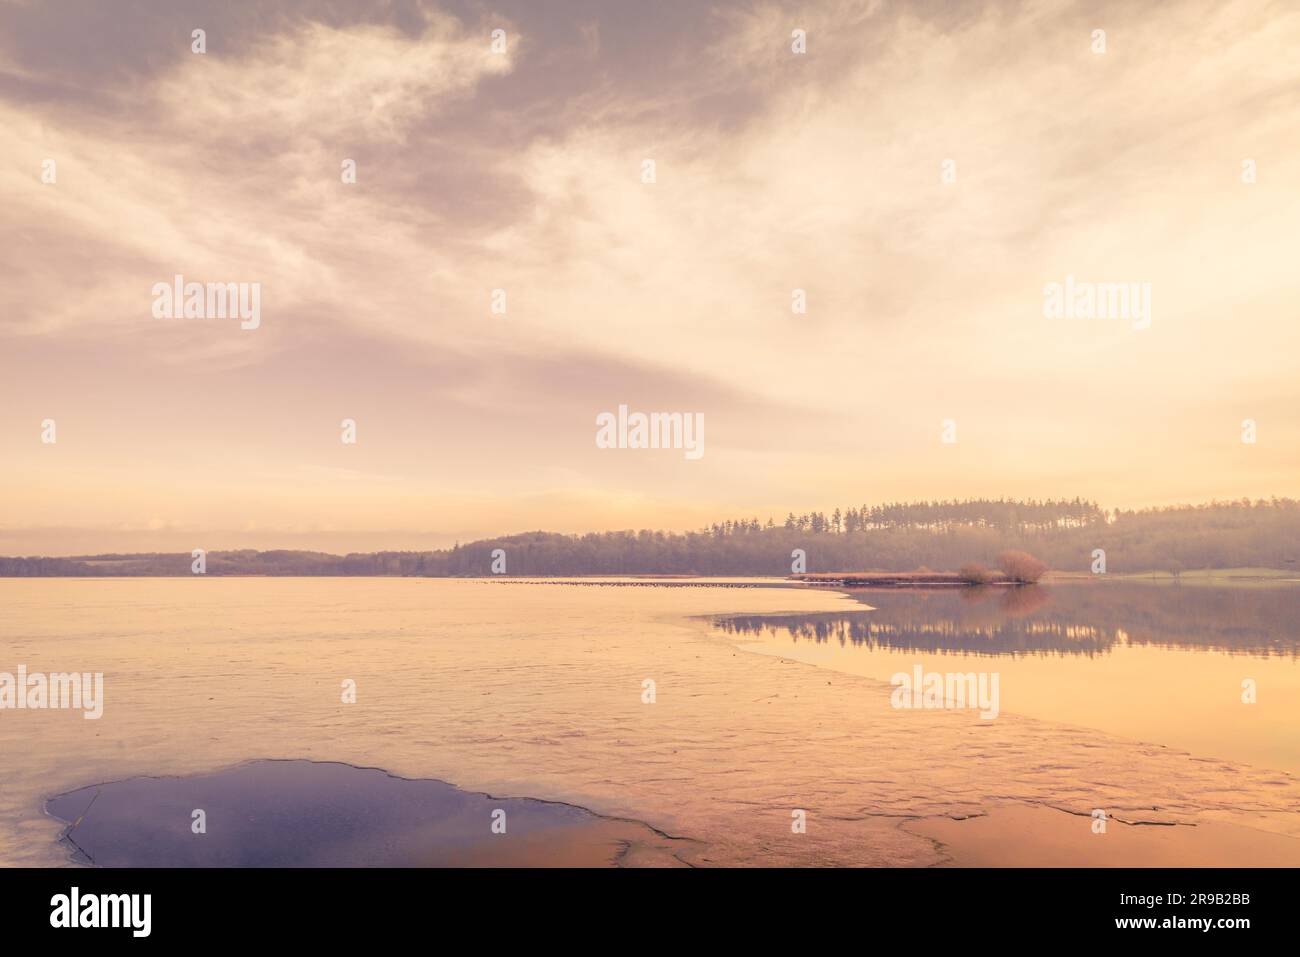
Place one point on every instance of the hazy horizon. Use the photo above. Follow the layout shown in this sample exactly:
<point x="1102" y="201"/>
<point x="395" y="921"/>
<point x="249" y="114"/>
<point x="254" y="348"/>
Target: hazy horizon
<point x="922" y="173"/>
<point x="331" y="541"/>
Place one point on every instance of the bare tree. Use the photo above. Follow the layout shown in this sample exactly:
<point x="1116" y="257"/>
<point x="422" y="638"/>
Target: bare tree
<point x="1021" y="567"/>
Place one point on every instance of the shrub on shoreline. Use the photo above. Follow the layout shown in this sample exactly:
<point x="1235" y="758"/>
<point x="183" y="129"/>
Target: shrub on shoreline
<point x="1021" y="567"/>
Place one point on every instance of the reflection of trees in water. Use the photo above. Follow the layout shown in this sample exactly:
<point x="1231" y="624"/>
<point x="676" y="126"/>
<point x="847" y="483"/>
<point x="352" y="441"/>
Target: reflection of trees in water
<point x="867" y="629"/>
<point x="1085" y="619"/>
<point x="1010" y="601"/>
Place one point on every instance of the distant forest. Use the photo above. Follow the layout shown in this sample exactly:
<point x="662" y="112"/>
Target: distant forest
<point x="894" y="537"/>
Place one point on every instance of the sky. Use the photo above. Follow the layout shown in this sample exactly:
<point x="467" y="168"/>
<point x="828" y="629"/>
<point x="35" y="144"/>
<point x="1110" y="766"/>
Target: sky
<point x="921" y="172"/>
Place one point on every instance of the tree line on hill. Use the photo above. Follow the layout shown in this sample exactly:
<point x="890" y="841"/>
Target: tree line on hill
<point x="1066" y="535"/>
